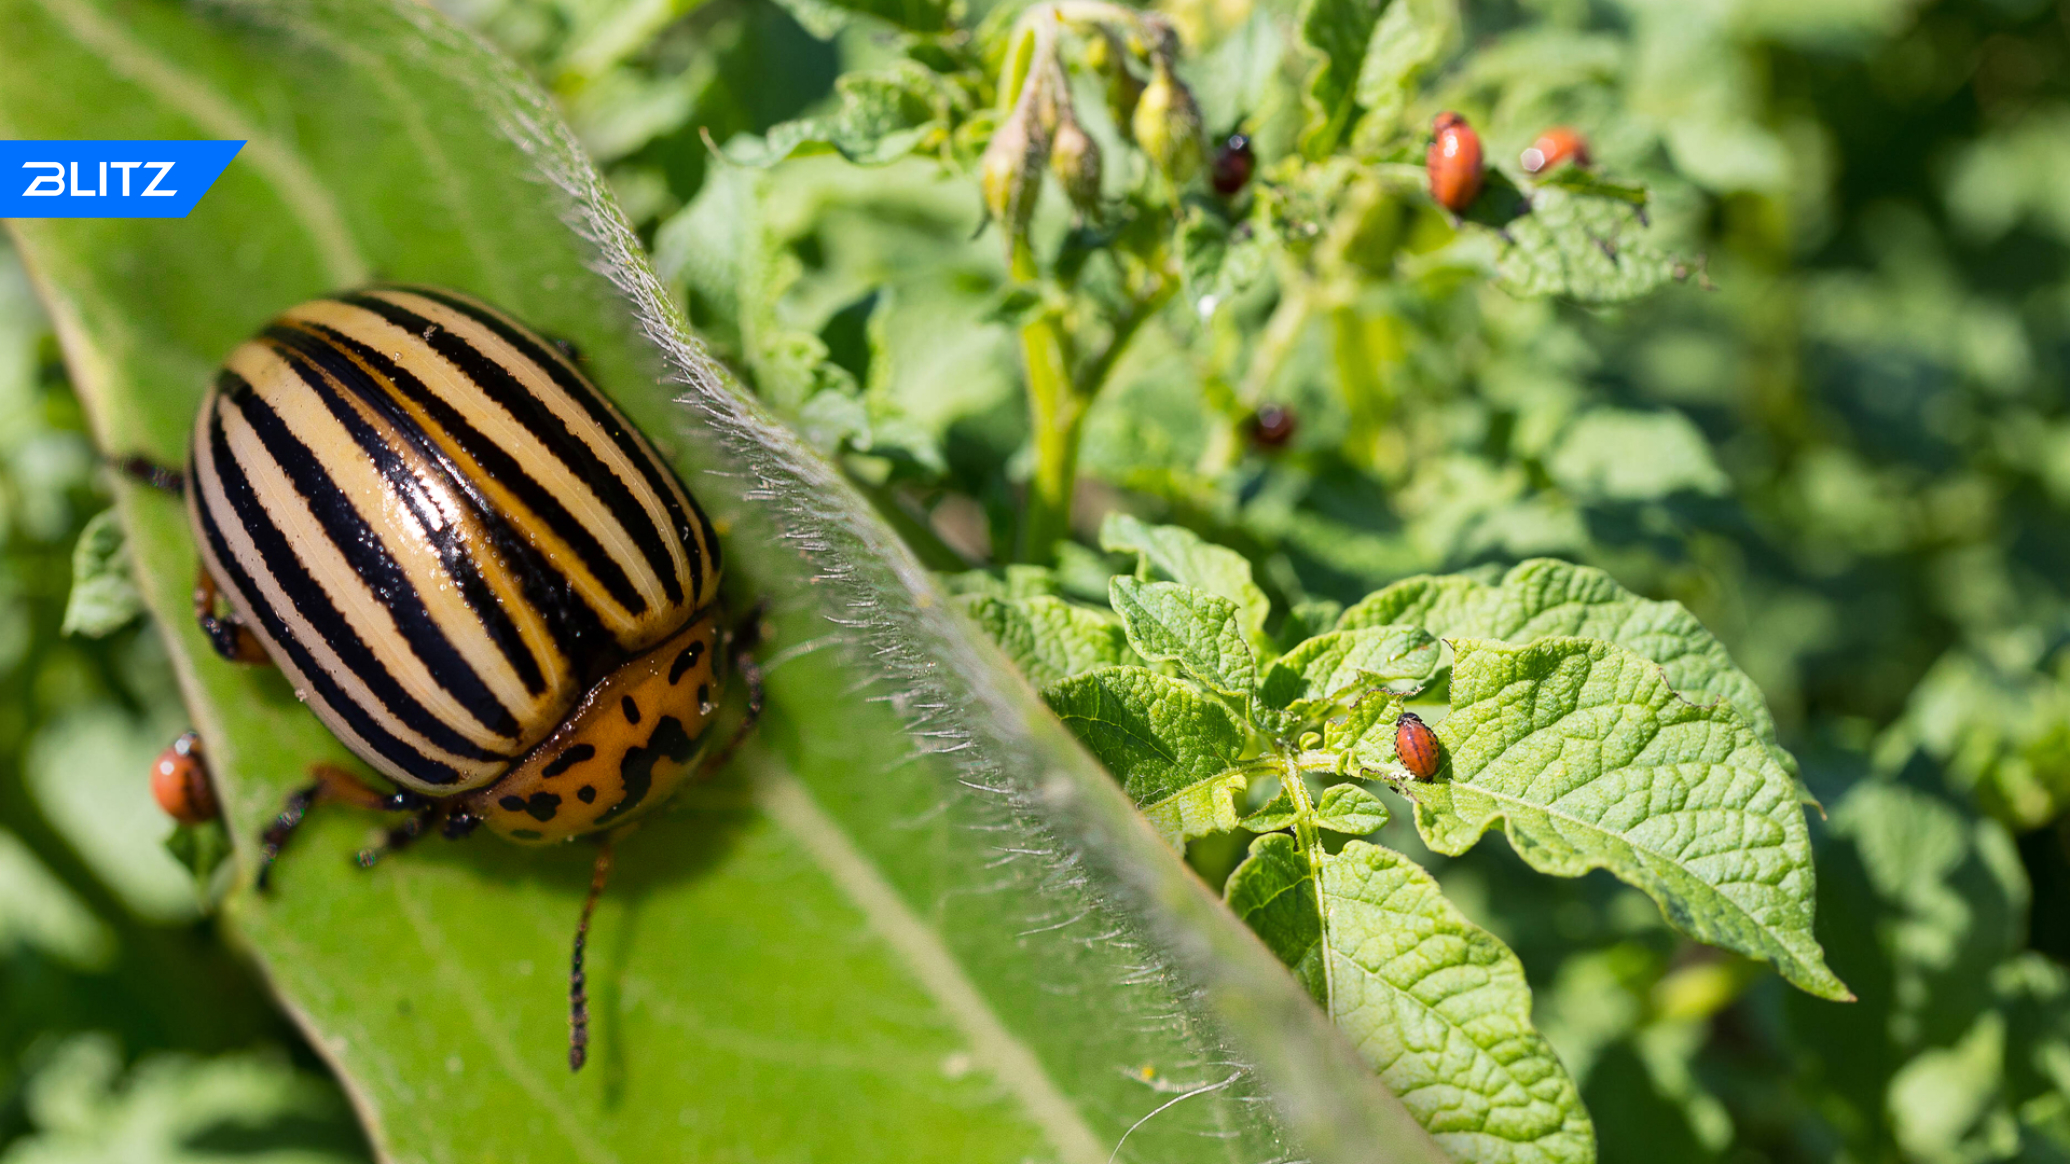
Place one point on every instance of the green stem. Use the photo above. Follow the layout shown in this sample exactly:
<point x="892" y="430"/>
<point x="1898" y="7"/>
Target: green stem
<point x="1365" y="396"/>
<point x="1309" y="837"/>
<point x="1058" y="403"/>
<point x="1125" y="329"/>
<point x="1277" y="342"/>
<point x="1056" y="413"/>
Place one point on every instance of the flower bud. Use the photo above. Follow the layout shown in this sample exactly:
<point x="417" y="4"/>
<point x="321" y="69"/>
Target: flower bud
<point x="1167" y="124"/>
<point x="1074" y="157"/>
<point x="1124" y="88"/>
<point x="1011" y="169"/>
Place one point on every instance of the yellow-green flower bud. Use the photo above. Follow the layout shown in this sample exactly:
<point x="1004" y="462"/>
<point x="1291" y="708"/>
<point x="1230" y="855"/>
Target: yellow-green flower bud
<point x="1011" y="169"/>
<point x="1074" y="157"/>
<point x="1101" y="51"/>
<point x="1167" y="124"/>
<point x="1107" y="54"/>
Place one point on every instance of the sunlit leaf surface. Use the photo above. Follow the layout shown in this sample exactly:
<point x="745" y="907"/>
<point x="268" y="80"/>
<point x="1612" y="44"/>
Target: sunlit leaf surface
<point x="914" y="923"/>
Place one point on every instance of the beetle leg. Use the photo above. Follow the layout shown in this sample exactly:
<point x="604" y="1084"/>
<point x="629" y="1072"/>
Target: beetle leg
<point x="227" y="633"/>
<point x="751" y="676"/>
<point x="145" y="471"/>
<point x="403" y="835"/>
<point x="327" y="782"/>
<point x="578" y="981"/>
<point x="276" y="835"/>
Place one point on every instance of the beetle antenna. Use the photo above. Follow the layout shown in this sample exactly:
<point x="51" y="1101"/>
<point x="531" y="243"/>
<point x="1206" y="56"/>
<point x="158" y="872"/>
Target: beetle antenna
<point x="578" y="982"/>
<point x="145" y="471"/>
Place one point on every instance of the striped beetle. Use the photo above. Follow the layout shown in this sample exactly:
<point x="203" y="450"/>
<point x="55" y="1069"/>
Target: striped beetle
<point x="474" y="570"/>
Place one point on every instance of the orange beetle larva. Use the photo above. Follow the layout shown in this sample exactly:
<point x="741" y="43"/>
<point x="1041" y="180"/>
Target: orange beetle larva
<point x="1416" y="745"/>
<point x="1454" y="163"/>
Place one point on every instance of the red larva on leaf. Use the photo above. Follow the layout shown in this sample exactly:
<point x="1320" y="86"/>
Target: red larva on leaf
<point x="1454" y="163"/>
<point x="179" y="782"/>
<point x="1272" y="426"/>
<point x="1233" y="164"/>
<point x="1556" y="145"/>
<point x="1416" y="745"/>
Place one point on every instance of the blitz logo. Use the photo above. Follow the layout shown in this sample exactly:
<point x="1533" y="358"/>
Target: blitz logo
<point x="52" y="184"/>
<point x="109" y="179"/>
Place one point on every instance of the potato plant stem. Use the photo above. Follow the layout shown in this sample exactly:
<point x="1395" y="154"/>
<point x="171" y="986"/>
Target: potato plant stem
<point x="1056" y="413"/>
<point x="1309" y="836"/>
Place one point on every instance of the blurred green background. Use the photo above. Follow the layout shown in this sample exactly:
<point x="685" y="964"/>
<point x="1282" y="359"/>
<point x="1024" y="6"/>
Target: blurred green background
<point x="1843" y="441"/>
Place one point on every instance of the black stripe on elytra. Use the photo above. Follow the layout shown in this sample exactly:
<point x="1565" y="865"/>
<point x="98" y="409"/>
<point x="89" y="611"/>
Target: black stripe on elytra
<point x="363" y="551"/>
<point x="659" y="477"/>
<point x="287" y="573"/>
<point x="576" y="627"/>
<point x="497" y="463"/>
<point x="507" y="392"/>
<point x="411" y="485"/>
<point x="284" y="563"/>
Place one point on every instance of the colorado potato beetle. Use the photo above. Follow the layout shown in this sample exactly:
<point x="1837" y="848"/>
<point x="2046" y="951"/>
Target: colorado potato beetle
<point x="476" y="572"/>
<point x="1555" y="145"/>
<point x="1453" y="163"/>
<point x="1416" y="745"/>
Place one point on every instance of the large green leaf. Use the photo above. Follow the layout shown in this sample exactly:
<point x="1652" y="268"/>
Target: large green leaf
<point x="1437" y="1004"/>
<point x="1198" y="630"/>
<point x="1336" y="33"/>
<point x="1173" y="747"/>
<point x="1545" y="597"/>
<point x="915" y="923"/>
<point x="1594" y="761"/>
<point x="1182" y="556"/>
<point x="1440" y="1006"/>
<point x="1048" y="638"/>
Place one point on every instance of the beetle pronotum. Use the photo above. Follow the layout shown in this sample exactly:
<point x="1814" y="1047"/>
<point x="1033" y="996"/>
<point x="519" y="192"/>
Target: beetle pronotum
<point x="474" y="570"/>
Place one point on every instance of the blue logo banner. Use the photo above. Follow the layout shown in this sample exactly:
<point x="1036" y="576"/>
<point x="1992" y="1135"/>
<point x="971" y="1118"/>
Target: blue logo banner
<point x="108" y="179"/>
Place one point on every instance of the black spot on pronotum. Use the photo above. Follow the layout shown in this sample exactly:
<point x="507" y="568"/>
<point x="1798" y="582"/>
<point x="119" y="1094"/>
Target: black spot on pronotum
<point x="630" y="708"/>
<point x="684" y="661"/>
<point x="704" y="698"/>
<point x="543" y="805"/>
<point x="670" y="742"/>
<point x="565" y="761"/>
<point x="586" y="794"/>
<point x="512" y="804"/>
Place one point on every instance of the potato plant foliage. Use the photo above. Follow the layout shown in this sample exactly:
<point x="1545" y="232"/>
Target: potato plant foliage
<point x="1707" y="501"/>
<point x="1577" y="743"/>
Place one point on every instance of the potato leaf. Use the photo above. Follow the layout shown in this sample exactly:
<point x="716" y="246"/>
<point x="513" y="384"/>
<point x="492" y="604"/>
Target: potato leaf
<point x="1545" y="597"/>
<point x="1440" y="1006"/>
<point x="1199" y="631"/>
<point x="1326" y="668"/>
<point x="104" y="596"/>
<point x="1162" y="738"/>
<point x="1050" y="639"/>
<point x="1593" y="761"/>
<point x="1180" y="555"/>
